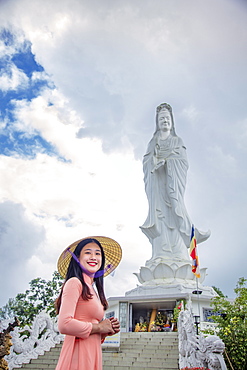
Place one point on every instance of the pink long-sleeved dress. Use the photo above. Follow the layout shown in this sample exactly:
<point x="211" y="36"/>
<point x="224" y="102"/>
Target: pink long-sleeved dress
<point x="75" y="320"/>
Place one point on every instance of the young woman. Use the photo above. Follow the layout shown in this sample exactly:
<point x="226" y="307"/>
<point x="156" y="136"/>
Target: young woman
<point x="81" y="307"/>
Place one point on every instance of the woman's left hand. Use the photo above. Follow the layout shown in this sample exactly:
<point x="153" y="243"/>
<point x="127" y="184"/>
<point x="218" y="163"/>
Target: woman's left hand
<point x="115" y="324"/>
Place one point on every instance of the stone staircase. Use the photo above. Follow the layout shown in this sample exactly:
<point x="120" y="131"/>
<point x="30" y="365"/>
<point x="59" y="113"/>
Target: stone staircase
<point x="144" y="351"/>
<point x="138" y="351"/>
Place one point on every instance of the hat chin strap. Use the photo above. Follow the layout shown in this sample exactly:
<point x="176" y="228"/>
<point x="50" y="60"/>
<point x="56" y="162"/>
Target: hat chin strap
<point x="90" y="274"/>
<point x="102" y="272"/>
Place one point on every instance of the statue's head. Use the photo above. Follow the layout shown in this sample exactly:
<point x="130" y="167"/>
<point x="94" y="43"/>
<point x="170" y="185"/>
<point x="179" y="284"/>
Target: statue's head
<point x="165" y="107"/>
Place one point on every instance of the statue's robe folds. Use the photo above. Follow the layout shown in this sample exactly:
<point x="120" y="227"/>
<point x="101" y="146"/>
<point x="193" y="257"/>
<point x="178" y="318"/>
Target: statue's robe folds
<point x="168" y="225"/>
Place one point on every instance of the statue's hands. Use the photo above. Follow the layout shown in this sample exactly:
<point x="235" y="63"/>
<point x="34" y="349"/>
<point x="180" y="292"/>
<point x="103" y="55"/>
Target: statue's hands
<point x="158" y="165"/>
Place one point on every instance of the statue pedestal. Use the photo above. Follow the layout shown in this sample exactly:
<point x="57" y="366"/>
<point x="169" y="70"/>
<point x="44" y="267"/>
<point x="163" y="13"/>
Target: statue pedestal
<point x="162" y="295"/>
<point x="175" y="287"/>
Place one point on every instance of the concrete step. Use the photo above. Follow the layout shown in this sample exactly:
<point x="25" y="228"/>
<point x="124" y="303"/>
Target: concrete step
<point x="148" y="343"/>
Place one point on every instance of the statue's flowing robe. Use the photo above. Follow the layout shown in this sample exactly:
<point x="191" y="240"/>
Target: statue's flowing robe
<point x="165" y="189"/>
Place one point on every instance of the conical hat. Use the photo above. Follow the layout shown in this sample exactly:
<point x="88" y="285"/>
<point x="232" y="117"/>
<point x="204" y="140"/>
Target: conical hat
<point x="112" y="251"/>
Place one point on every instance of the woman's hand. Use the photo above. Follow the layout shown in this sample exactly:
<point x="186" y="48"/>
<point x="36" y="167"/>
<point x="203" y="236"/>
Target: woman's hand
<point x="103" y="327"/>
<point x="115" y="324"/>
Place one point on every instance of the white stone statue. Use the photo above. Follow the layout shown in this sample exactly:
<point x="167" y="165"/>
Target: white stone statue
<point x="198" y="351"/>
<point x="168" y="225"/>
<point x="43" y="335"/>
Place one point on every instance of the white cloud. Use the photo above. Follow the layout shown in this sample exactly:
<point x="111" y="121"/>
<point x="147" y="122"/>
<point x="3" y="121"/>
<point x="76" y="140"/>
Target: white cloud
<point x="49" y="115"/>
<point x="20" y="237"/>
<point x="13" y="78"/>
<point x="229" y="166"/>
<point x="17" y="42"/>
<point x="70" y="202"/>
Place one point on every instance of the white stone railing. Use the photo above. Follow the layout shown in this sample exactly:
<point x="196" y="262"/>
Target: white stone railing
<point x="198" y="350"/>
<point x="43" y="336"/>
<point x="212" y="326"/>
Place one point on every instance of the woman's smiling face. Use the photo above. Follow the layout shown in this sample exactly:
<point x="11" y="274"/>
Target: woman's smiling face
<point x="91" y="257"/>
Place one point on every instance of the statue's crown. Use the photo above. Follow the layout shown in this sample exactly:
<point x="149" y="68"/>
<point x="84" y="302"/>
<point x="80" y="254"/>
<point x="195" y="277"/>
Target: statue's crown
<point x="164" y="106"/>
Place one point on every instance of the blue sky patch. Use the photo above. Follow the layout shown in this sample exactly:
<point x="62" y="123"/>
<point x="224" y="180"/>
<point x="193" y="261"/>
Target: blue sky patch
<point x="7" y="37"/>
<point x="19" y="143"/>
<point x="26" y="62"/>
<point x="16" y="142"/>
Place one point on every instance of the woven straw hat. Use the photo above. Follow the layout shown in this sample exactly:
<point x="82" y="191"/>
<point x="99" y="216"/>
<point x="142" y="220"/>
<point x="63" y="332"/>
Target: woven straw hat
<point x="112" y="251"/>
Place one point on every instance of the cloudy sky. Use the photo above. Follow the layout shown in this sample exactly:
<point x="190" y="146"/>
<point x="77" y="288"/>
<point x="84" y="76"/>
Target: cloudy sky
<point x="79" y="84"/>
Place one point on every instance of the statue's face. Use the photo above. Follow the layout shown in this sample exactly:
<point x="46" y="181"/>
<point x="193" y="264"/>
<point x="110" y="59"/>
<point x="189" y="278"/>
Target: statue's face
<point x="164" y="120"/>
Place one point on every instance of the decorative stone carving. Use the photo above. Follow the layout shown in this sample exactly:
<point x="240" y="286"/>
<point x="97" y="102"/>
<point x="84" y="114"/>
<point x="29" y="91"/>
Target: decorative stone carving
<point x="43" y="336"/>
<point x="198" y="350"/>
<point x="168" y="274"/>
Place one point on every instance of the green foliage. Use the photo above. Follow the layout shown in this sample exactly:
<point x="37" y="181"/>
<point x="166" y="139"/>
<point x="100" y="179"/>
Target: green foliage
<point x="219" y="292"/>
<point x="232" y="325"/>
<point x="177" y="309"/>
<point x="40" y="296"/>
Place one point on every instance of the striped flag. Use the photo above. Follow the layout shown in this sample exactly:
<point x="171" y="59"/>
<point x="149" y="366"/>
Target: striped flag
<point x="193" y="254"/>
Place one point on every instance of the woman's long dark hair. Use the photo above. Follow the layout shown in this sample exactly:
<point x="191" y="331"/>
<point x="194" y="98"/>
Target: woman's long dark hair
<point x="74" y="270"/>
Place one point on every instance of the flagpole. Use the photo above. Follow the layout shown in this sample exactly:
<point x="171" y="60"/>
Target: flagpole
<point x="198" y="298"/>
<point x="195" y="269"/>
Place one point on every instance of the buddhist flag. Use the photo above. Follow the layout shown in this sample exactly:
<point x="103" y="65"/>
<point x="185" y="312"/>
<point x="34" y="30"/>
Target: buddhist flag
<point x="193" y="254"/>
